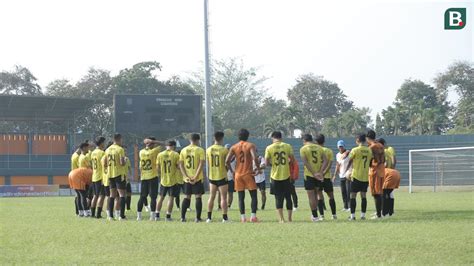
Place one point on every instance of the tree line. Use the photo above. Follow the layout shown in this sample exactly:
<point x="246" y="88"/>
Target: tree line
<point x="242" y="99"/>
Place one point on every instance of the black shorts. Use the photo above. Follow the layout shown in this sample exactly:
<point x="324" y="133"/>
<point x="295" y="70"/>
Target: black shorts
<point x="262" y="186"/>
<point x="117" y="182"/>
<point x="149" y="187"/>
<point x="107" y="191"/>
<point x="311" y="183"/>
<point x="280" y="187"/>
<point x="327" y="185"/>
<point x="129" y="187"/>
<point x="231" y="186"/>
<point x="359" y="186"/>
<point x="98" y="188"/>
<point x="218" y="183"/>
<point x="172" y="191"/>
<point x="196" y="189"/>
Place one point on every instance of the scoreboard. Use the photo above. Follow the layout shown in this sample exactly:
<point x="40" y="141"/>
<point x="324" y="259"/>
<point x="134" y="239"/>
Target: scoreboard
<point x="156" y="114"/>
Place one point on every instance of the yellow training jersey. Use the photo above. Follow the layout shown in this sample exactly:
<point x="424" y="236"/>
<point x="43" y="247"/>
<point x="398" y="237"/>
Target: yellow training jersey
<point x="314" y="156"/>
<point x="278" y="154"/>
<point x="148" y="169"/>
<point x="389" y="155"/>
<point x="216" y="155"/>
<point x="127" y="168"/>
<point x="168" y="161"/>
<point x="74" y="161"/>
<point x="329" y="156"/>
<point x="114" y="153"/>
<point x="361" y="157"/>
<point x="85" y="160"/>
<point x="191" y="156"/>
<point x="96" y="158"/>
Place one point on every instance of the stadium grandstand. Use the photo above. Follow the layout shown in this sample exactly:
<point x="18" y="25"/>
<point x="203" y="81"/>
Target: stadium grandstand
<point x="38" y="157"/>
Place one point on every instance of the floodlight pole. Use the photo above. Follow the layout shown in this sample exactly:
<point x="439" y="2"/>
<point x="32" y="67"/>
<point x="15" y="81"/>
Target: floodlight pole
<point x="207" y="70"/>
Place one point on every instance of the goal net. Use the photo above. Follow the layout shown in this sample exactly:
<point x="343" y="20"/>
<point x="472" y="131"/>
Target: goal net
<point x="438" y="169"/>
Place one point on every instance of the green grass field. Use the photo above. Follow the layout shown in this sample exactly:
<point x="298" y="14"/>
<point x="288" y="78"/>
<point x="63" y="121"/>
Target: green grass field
<point x="429" y="228"/>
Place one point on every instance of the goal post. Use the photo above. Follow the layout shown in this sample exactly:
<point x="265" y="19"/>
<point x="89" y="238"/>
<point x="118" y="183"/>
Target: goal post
<point x="441" y="167"/>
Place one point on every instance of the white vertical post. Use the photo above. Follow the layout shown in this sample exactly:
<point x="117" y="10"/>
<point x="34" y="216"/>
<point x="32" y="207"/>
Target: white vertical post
<point x="207" y="70"/>
<point x="410" y="177"/>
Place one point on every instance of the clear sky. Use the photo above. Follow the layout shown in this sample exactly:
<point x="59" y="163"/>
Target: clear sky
<point x="367" y="47"/>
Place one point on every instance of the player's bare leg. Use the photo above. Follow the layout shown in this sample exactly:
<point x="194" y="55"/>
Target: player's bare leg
<point x="210" y="202"/>
<point x="313" y="204"/>
<point x="223" y="203"/>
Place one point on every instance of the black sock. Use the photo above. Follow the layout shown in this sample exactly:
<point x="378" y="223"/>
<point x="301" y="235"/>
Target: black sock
<point x="263" y="206"/>
<point x="391" y="207"/>
<point x="93" y="211"/>
<point x="321" y="207"/>
<point x="224" y="216"/>
<point x="209" y="215"/>
<point x="99" y="212"/>
<point x="378" y="205"/>
<point x="111" y="206"/>
<point x="364" y="205"/>
<point x="198" y="208"/>
<point x="184" y="207"/>
<point x="314" y="212"/>
<point x="157" y="214"/>
<point x="168" y="215"/>
<point x="122" y="207"/>
<point x="242" y="202"/>
<point x="353" y="205"/>
<point x="332" y="203"/>
<point x="177" y="201"/>
<point x="254" y="200"/>
<point x="129" y="201"/>
<point x="76" y="201"/>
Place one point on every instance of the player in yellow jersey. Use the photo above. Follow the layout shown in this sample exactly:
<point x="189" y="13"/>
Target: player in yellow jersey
<point x="278" y="155"/>
<point x="84" y="159"/>
<point x="314" y="161"/>
<point x="180" y="185"/>
<point x="216" y="155"/>
<point x="327" y="184"/>
<point x="97" y="175"/>
<point x="359" y="158"/>
<point x="168" y="167"/>
<point x="106" y="183"/>
<point x="74" y="165"/>
<point x="191" y="163"/>
<point x="148" y="177"/>
<point x="115" y="162"/>
<point x="390" y="154"/>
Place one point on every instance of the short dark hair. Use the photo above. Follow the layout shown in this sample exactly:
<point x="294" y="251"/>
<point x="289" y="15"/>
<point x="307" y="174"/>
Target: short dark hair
<point x="195" y="137"/>
<point x="381" y="141"/>
<point x="361" y="138"/>
<point x="219" y="135"/>
<point x="83" y="145"/>
<point x="276" y="135"/>
<point x="371" y="134"/>
<point x="307" y="137"/>
<point x="152" y="138"/>
<point x="99" y="141"/>
<point x="320" y="139"/>
<point x="171" y="143"/>
<point x="244" y="134"/>
<point x="117" y="136"/>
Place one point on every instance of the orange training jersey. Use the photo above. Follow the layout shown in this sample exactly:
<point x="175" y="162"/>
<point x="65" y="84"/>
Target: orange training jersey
<point x="243" y="158"/>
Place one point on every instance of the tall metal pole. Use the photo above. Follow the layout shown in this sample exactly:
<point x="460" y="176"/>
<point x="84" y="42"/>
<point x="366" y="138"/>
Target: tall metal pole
<point x="207" y="93"/>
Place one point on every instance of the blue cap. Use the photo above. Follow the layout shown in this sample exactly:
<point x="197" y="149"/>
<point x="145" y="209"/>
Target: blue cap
<point x="341" y="143"/>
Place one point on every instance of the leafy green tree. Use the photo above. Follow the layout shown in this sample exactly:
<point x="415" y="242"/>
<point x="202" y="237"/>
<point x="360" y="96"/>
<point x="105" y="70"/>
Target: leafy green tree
<point x="418" y="109"/>
<point x="20" y="81"/>
<point x="459" y="77"/>
<point x="317" y="99"/>
<point x="237" y="94"/>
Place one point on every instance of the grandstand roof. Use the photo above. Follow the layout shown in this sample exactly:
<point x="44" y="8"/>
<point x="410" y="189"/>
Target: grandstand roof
<point x="42" y="108"/>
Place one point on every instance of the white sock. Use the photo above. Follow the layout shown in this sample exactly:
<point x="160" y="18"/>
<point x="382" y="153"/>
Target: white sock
<point x="153" y="215"/>
<point x="81" y="212"/>
<point x="242" y="217"/>
<point x="253" y="215"/>
<point x="117" y="213"/>
<point x="353" y="215"/>
<point x="108" y="213"/>
<point x="362" y="214"/>
<point x="139" y="215"/>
